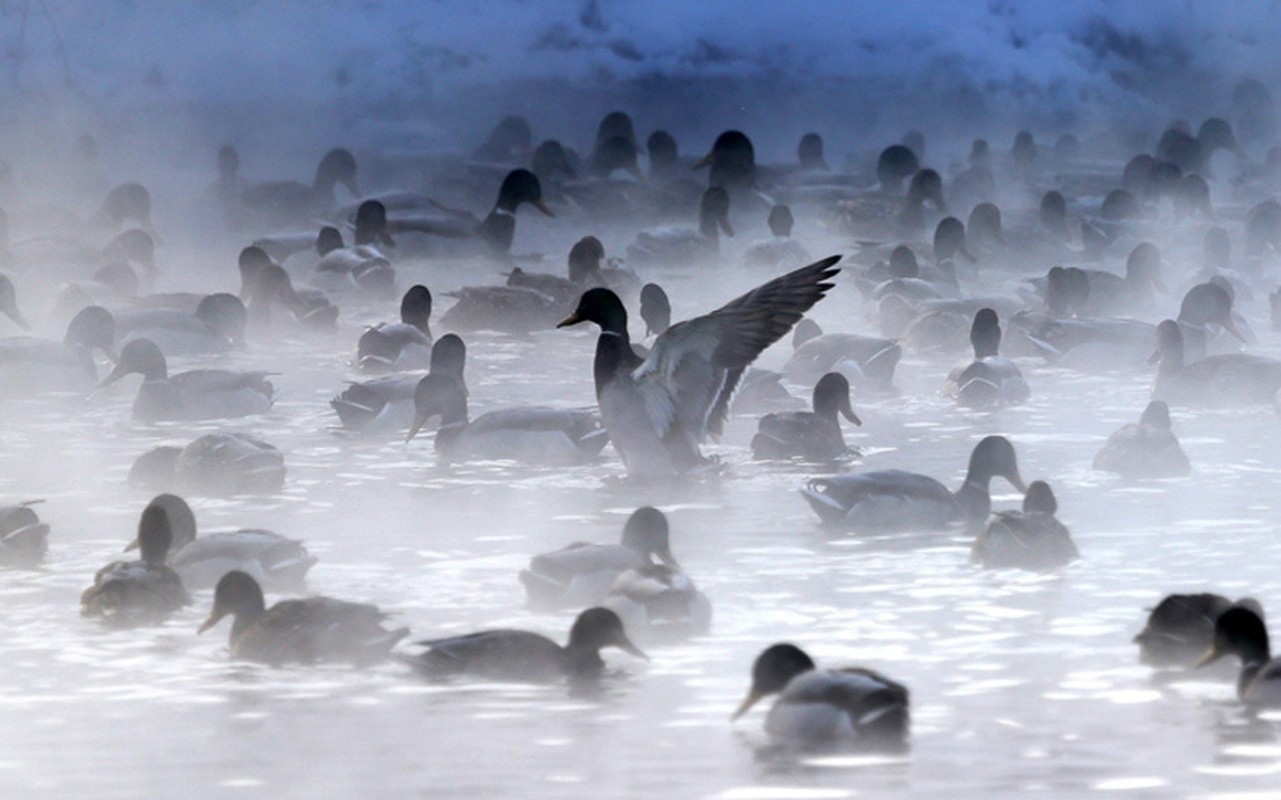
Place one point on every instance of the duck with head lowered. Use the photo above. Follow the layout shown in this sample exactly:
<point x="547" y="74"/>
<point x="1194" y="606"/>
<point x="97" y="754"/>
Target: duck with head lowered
<point x="894" y="500"/>
<point x="196" y="394"/>
<point x="1240" y="631"/>
<point x="813" y="435"/>
<point x="658" y="410"/>
<point x="990" y="380"/>
<point x="289" y="202"/>
<point x="497" y="230"/>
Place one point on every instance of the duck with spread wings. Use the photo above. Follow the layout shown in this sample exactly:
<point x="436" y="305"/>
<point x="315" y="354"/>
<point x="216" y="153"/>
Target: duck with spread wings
<point x="658" y="410"/>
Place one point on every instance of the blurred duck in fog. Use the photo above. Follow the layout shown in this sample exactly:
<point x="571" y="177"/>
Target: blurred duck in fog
<point x="1031" y="539"/>
<point x="216" y="326"/>
<point x="852" y="706"/>
<point x="306" y="631"/>
<point x="264" y="284"/>
<point x="893" y="500"/>
<point x="399" y="346"/>
<point x="362" y="268"/>
<point x="495" y="232"/>
<point x="30" y="367"/>
<point x="387" y="403"/>
<point x="780" y="251"/>
<point x="213" y="465"/>
<point x="9" y="303"/>
<point x="275" y="562"/>
<point x="143" y="592"/>
<point x="512" y="655"/>
<point x="1222" y="381"/>
<point x="990" y="380"/>
<point x="865" y="361"/>
<point x="588" y="267"/>
<point x="659" y="604"/>
<point x="658" y="410"/>
<point x="282" y="203"/>
<point x="1180" y="629"/>
<point x="195" y="394"/>
<point x="530" y="434"/>
<point x="24" y="539"/>
<point x="1241" y="632"/>
<point x="811" y="435"/>
<point x="581" y="574"/>
<point x="675" y="246"/>
<point x="1146" y="449"/>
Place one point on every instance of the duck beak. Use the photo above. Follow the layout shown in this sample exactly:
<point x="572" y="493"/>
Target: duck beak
<point x="1231" y="327"/>
<point x="667" y="558"/>
<point x="635" y="172"/>
<point x="116" y="374"/>
<point x="351" y="187"/>
<point x="625" y="644"/>
<point x="542" y="206"/>
<point x="419" y="421"/>
<point x="215" y="617"/>
<point x="752" y="698"/>
<point x="1155" y="357"/>
<point x="572" y="319"/>
<point x="705" y="161"/>
<point x="14" y="314"/>
<point x="1208" y="657"/>
<point x="132" y="546"/>
<point x="1159" y="285"/>
<point x="1016" y="481"/>
<point x="848" y="411"/>
<point x="384" y="236"/>
<point x="725" y="226"/>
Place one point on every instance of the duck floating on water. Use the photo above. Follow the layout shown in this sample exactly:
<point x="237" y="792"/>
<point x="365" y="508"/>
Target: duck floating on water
<point x="817" y="708"/>
<point x="387" y="403"/>
<point x="197" y="394"/>
<point x="814" y="435"/>
<point x="24" y="539"/>
<point x="143" y="592"/>
<point x="1180" y="629"/>
<point x="1221" y="381"/>
<point x="397" y="346"/>
<point x="213" y="465"/>
<point x="513" y="655"/>
<point x="310" y="630"/>
<point x="990" y="380"/>
<point x="1145" y="449"/>
<point x="659" y="409"/>
<point x="1241" y="632"/>
<point x="1032" y="539"/>
<point x="894" y="500"/>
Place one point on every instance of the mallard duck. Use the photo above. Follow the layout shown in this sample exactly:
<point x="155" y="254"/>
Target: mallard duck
<point x="1146" y="449"/>
<point x="658" y="410"/>
<point x="264" y="284"/>
<point x="731" y="163"/>
<point x="581" y="574"/>
<point x="309" y="630"/>
<point x="30" y="367"/>
<point x="273" y="561"/>
<point x="362" y="268"/>
<point x="141" y="592"/>
<point x="780" y="249"/>
<point x="1240" y="631"/>
<point x="1032" y="539"/>
<point x="497" y="230"/>
<point x="387" y="403"/>
<point x="213" y="465"/>
<point x="675" y="246"/>
<point x="197" y="394"/>
<point x="1180" y="628"/>
<point x="814" y="435"/>
<point x="512" y="655"/>
<point x="24" y="539"/>
<point x="893" y="500"/>
<point x="1230" y="380"/>
<point x="532" y="434"/>
<point x="216" y="326"/>
<point x="655" y="309"/>
<point x="866" y="360"/>
<point x="397" y="346"/>
<point x="289" y="202"/>
<point x="659" y="603"/>
<point x="852" y="706"/>
<point x="990" y="380"/>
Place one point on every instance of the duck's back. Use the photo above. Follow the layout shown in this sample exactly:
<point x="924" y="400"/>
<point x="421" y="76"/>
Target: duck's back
<point x="499" y="654"/>
<point x="798" y="433"/>
<point x="316" y="629"/>
<point x="1033" y="541"/>
<point x="276" y="563"/>
<point x="1233" y="379"/>
<point x="856" y="706"/>
<point x="134" y="592"/>
<point x="882" y="500"/>
<point x="1138" y="450"/>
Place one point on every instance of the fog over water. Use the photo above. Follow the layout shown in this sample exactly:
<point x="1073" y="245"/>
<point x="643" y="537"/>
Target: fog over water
<point x="1022" y="682"/>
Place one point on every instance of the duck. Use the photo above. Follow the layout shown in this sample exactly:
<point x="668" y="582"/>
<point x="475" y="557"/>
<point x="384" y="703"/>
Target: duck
<point x="581" y="574"/>
<point x="31" y="367"/>
<point x="676" y="246"/>
<point x="1222" y="381"/>
<point x="289" y="202"/>
<point x="658" y="410"/>
<point x="496" y="231"/>
<point x="197" y="394"/>
<point x="362" y="268"/>
<point x="143" y="592"/>
<point x="531" y="434"/>
<point x="1180" y="628"/>
<point x="24" y="539"/>
<point x="9" y="303"/>
<point x="893" y="500"/>
<point x="812" y="435"/>
<point x="1241" y="632"/>
<point x="780" y="249"/>
<point x="265" y="285"/>
<point x="399" y="346"/>
<point x="731" y="163"/>
<point x="217" y="325"/>
<point x="308" y="630"/>
<point x="1146" y="449"/>
<point x="990" y="380"/>
<point x="588" y="267"/>
<point x="659" y="603"/>
<point x="527" y="657"/>
<point x="273" y="561"/>
<point x="656" y="309"/>
<point x="867" y="360"/>
<point x="1032" y="539"/>
<point x="387" y="403"/>
<point x="853" y="706"/>
<point x="1206" y="307"/>
<point x="213" y="465"/>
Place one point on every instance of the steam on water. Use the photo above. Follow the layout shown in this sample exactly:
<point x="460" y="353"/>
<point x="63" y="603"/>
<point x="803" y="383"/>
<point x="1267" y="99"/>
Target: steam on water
<point x="1021" y="682"/>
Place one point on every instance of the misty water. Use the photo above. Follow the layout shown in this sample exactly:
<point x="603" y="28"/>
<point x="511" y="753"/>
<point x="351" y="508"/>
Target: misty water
<point x="1021" y="683"/>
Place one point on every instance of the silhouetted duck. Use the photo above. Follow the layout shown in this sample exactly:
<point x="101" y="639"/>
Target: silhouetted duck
<point x="197" y="394"/>
<point x="1241" y="632"/>
<point x="24" y="539"/>
<point x="289" y="202"/>
<point x="1180" y="629"/>
<point x="397" y="346"/>
<point x="141" y="592"/>
<point x="814" y="435"/>
<point x="1032" y="539"/>
<point x="1146" y="449"/>
<point x="387" y="403"/>
<point x="1234" y="379"/>
<point x="213" y="465"/>
<point x="990" y="380"/>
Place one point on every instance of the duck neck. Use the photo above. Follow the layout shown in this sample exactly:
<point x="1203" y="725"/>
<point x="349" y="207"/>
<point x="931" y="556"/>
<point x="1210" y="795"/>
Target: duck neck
<point x="247" y="616"/>
<point x="614" y="355"/>
<point x="975" y="503"/>
<point x="453" y="423"/>
<point x="499" y="229"/>
<point x="582" y="660"/>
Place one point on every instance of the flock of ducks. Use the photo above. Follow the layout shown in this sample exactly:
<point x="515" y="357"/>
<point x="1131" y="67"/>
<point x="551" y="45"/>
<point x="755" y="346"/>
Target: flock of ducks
<point x="660" y="399"/>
